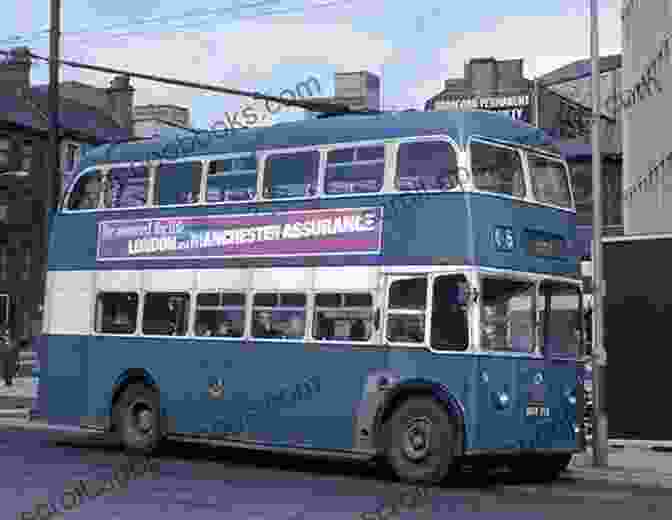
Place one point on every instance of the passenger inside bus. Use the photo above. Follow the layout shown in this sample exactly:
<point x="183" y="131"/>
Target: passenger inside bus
<point x="449" y="316"/>
<point x="296" y="327"/>
<point x="203" y="330"/>
<point x="225" y="330"/>
<point x="263" y="325"/>
<point x="358" y="331"/>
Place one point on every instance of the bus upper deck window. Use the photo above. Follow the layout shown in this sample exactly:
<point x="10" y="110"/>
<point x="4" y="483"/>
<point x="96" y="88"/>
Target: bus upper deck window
<point x="549" y="181"/>
<point x="232" y="179"/>
<point x="127" y="187"/>
<point x="497" y="170"/>
<point x="177" y="183"/>
<point x="355" y="170"/>
<point x="291" y="175"/>
<point x="426" y="166"/>
<point x="86" y="194"/>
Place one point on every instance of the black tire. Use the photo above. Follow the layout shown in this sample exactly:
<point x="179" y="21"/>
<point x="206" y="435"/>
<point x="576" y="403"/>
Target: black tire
<point x="421" y="441"/>
<point x="137" y="419"/>
<point x="541" y="467"/>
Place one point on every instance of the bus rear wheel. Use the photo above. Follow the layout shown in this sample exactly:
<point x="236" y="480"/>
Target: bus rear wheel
<point x="137" y="419"/>
<point x="421" y="441"/>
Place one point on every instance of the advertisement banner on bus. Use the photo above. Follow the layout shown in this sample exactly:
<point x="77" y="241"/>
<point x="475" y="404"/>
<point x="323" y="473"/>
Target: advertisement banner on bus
<point x="296" y="233"/>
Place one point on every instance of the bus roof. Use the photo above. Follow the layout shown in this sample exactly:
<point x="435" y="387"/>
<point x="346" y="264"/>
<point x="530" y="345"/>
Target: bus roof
<point x="459" y="125"/>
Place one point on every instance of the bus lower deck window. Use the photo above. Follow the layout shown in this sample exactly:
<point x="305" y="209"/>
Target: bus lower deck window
<point x="116" y="313"/>
<point x="165" y="314"/>
<point x="220" y="315"/>
<point x="343" y="317"/>
<point x="279" y="316"/>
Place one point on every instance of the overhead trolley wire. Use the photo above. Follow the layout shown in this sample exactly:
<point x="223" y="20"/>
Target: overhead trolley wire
<point x="311" y="105"/>
<point x="88" y="35"/>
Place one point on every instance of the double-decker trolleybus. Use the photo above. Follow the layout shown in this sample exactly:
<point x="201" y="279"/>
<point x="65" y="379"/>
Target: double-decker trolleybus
<point x="400" y="286"/>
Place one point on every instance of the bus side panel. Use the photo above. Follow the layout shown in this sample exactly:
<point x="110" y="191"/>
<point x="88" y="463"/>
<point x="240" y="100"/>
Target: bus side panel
<point x="283" y="393"/>
<point x="62" y="392"/>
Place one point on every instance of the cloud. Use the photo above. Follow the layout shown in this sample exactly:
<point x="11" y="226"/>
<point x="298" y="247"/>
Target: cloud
<point x="246" y="58"/>
<point x="544" y="42"/>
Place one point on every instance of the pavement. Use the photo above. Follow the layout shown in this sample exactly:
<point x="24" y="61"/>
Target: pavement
<point x="642" y="466"/>
<point x="17" y="400"/>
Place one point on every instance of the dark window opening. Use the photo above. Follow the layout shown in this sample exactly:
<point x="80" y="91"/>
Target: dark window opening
<point x="116" y="313"/>
<point x="450" y="325"/>
<point x="166" y="314"/>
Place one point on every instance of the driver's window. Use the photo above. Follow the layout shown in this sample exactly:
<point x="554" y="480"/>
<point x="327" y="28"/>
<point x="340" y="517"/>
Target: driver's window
<point x="450" y="325"/>
<point x="507" y="315"/>
<point x="86" y="194"/>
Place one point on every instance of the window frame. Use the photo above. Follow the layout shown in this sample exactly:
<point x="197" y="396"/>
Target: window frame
<point x="543" y="323"/>
<point x="138" y="316"/>
<point x="170" y="292"/>
<point x="309" y="304"/>
<point x="154" y="173"/>
<point x="463" y="183"/>
<point x="325" y="159"/>
<point x="523" y="162"/>
<point x="107" y="180"/>
<point x="71" y="190"/>
<point x="470" y="313"/>
<point x="568" y="178"/>
<point x="314" y="309"/>
<point x="262" y="167"/>
<point x="195" y="308"/>
<point x="205" y="175"/>
<point x="513" y="277"/>
<point x="389" y="281"/>
<point x="390" y="145"/>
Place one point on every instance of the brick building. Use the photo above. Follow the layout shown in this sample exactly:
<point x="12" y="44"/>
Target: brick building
<point x="102" y="115"/>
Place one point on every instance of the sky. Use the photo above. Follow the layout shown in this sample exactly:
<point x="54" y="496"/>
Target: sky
<point x="271" y="45"/>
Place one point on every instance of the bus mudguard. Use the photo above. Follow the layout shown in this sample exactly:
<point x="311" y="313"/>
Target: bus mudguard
<point x="397" y="393"/>
<point x="383" y="391"/>
<point x="132" y="375"/>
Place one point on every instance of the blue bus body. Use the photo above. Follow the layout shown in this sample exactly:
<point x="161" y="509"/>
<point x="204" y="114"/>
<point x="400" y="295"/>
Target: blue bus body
<point x="312" y="394"/>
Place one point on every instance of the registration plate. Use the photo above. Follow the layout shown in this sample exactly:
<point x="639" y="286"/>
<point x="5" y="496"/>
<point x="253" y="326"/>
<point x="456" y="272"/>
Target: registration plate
<point x="538" y="411"/>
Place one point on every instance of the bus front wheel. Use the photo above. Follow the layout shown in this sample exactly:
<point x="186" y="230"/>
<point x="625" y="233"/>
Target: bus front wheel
<point x="137" y="419"/>
<point x="421" y="441"/>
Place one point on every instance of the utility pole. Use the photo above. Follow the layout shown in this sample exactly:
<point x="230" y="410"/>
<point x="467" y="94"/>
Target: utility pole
<point x="599" y="355"/>
<point x="52" y="179"/>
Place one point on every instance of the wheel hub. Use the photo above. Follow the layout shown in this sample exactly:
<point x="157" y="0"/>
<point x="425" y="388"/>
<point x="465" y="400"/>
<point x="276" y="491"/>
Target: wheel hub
<point x="417" y="439"/>
<point x="143" y="419"/>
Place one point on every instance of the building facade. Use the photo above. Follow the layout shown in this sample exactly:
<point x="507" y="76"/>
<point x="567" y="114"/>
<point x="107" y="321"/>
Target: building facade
<point x="23" y="153"/>
<point x="574" y="81"/>
<point x="560" y="103"/>
<point x="646" y="105"/>
<point x="359" y="90"/>
<point x="160" y="120"/>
